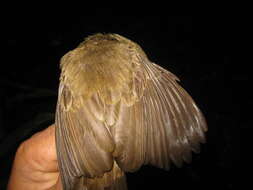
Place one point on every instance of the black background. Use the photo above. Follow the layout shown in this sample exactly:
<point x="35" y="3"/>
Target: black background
<point x="199" y="50"/>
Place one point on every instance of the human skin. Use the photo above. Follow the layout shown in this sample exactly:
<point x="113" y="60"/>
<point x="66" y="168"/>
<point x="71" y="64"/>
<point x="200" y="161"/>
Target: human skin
<point x="35" y="165"/>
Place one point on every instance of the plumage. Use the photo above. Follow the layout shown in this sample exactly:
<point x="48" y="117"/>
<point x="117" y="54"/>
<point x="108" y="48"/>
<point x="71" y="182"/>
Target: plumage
<point x="117" y="111"/>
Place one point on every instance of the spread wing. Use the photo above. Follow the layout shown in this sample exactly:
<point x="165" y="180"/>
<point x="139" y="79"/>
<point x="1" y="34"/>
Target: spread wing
<point x="164" y="125"/>
<point x="148" y="119"/>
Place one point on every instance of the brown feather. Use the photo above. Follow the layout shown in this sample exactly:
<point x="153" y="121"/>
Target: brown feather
<point x="117" y="111"/>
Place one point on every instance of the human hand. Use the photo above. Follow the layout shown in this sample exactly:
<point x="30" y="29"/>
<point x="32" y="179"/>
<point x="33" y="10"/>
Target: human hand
<point x="35" y="166"/>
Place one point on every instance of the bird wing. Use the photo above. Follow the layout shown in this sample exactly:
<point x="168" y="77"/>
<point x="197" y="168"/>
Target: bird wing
<point x="148" y="119"/>
<point x="164" y="125"/>
<point x="84" y="143"/>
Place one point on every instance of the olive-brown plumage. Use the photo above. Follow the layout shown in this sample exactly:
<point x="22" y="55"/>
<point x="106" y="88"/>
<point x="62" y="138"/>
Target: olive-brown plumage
<point x="117" y="111"/>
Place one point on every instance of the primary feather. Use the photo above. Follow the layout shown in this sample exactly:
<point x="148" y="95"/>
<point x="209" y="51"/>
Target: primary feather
<point x="117" y="111"/>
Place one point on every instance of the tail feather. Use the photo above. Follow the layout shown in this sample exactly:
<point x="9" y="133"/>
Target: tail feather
<point x="113" y="180"/>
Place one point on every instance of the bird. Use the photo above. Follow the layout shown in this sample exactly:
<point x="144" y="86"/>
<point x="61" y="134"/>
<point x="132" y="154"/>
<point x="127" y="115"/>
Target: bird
<point x="117" y="111"/>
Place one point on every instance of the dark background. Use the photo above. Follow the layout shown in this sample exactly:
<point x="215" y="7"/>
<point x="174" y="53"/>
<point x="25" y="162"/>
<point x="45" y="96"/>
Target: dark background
<point x="197" y="49"/>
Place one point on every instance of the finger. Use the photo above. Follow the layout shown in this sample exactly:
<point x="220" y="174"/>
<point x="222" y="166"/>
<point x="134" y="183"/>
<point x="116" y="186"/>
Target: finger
<point x="35" y="163"/>
<point x="59" y="184"/>
<point x="41" y="149"/>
